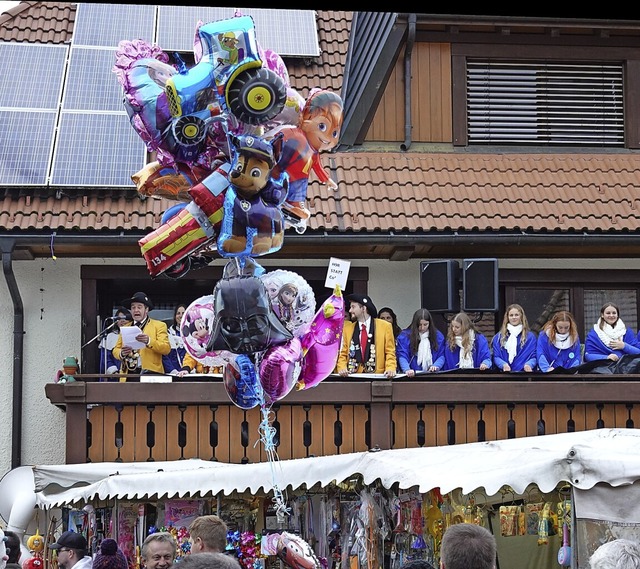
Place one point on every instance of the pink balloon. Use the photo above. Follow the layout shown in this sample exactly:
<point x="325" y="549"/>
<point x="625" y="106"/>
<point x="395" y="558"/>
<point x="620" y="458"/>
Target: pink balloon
<point x="279" y="370"/>
<point x="321" y="342"/>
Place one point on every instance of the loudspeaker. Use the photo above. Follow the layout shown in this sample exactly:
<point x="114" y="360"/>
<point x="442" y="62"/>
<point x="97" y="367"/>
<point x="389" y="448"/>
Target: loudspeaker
<point x="439" y="286"/>
<point x="480" y="285"/>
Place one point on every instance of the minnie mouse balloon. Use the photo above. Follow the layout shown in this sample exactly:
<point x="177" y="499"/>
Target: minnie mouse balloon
<point x="321" y="341"/>
<point x="279" y="370"/>
<point x="196" y="326"/>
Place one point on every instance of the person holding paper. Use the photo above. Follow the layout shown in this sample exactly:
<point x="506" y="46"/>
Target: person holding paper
<point x="142" y="344"/>
<point x="368" y="343"/>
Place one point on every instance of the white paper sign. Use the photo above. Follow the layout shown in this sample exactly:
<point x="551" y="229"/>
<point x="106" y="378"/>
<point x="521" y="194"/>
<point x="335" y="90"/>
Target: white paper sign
<point x="129" y="334"/>
<point x="337" y="273"/>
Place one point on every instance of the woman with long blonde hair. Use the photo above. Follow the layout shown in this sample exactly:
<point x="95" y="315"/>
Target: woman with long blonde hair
<point x="514" y="346"/>
<point x="466" y="347"/>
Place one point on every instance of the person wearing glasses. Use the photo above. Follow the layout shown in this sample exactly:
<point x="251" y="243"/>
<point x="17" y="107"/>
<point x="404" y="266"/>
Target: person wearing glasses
<point x="159" y="550"/>
<point x="71" y="548"/>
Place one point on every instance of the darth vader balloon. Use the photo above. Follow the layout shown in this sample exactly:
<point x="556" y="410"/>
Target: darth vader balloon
<point x="245" y="321"/>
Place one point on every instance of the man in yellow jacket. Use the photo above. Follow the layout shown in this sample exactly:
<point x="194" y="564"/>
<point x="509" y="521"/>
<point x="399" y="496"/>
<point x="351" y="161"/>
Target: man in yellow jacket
<point x="154" y="336"/>
<point x="368" y="343"/>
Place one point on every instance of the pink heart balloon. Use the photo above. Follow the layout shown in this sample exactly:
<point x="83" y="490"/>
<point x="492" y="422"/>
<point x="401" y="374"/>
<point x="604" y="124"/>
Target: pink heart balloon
<point x="279" y="370"/>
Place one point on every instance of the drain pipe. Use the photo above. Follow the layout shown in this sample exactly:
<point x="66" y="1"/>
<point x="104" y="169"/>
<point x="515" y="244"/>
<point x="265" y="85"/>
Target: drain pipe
<point x="408" y="50"/>
<point x="6" y="246"/>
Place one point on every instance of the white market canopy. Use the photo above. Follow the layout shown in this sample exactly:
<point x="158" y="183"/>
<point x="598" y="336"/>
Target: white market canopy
<point x="582" y="459"/>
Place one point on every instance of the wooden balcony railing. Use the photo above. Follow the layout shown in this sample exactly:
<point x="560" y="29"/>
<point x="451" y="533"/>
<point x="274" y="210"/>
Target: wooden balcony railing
<point x="136" y="421"/>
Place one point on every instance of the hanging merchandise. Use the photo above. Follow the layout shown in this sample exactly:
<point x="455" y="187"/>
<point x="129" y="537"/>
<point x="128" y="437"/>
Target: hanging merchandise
<point x="564" y="514"/>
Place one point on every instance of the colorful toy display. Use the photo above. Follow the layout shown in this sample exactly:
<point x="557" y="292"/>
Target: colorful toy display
<point x="199" y="122"/>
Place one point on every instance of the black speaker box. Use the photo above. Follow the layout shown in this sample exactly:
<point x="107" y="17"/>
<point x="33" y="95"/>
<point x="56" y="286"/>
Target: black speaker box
<point x="439" y="289"/>
<point x="480" y="285"/>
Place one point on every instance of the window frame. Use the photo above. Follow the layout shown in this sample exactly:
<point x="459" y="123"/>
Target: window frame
<point x="628" y="56"/>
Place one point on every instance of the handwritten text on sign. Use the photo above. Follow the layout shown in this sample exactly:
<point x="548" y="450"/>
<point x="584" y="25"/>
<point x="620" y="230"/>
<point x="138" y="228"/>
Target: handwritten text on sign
<point x="337" y="273"/>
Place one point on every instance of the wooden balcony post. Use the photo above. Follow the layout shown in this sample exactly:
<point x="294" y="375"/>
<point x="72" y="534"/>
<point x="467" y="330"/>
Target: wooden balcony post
<point x="381" y="407"/>
<point x="76" y="446"/>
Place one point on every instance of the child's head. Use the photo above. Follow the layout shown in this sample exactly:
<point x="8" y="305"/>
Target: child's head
<point x="321" y="119"/>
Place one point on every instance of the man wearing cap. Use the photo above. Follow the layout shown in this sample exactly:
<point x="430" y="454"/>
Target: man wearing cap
<point x="154" y="336"/>
<point x="368" y="344"/>
<point x="71" y="548"/>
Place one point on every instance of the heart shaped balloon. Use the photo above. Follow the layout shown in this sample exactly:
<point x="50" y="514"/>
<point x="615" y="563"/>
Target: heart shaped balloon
<point x="280" y="369"/>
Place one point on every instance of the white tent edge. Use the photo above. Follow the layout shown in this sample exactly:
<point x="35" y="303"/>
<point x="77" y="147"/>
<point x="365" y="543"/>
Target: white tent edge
<point x="582" y="459"/>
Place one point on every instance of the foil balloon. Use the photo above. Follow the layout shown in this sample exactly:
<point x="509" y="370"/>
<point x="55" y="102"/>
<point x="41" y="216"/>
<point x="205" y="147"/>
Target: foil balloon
<point x="291" y="297"/>
<point x="171" y="182"/>
<point x="171" y="211"/>
<point x="244" y="320"/>
<point x="296" y="552"/>
<point x="321" y="341"/>
<point x="241" y="382"/>
<point x="252" y="222"/>
<point x="279" y="370"/>
<point x="196" y="327"/>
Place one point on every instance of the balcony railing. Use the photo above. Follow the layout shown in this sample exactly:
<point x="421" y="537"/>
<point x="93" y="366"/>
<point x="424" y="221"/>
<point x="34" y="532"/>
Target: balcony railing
<point x="136" y="421"/>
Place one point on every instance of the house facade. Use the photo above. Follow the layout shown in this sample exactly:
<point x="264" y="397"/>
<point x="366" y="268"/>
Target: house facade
<point x="505" y="139"/>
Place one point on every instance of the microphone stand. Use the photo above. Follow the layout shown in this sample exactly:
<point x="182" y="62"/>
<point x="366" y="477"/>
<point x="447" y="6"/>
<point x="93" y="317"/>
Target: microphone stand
<point x="104" y="332"/>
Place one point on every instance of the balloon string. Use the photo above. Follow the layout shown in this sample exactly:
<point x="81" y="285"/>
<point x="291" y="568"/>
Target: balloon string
<point x="267" y="436"/>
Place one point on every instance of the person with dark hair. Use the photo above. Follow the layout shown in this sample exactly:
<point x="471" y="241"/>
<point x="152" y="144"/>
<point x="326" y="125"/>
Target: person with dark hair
<point x="173" y="361"/>
<point x="209" y="560"/>
<point x="389" y="315"/>
<point x="421" y="346"/>
<point x="108" y="363"/>
<point x="153" y="339"/>
<point x="110" y="556"/>
<point x="466" y="546"/>
<point x="71" y="548"/>
<point x="13" y="550"/>
<point x="368" y="344"/>
<point x="159" y="550"/>
<point x="617" y="554"/>
<point x="208" y="534"/>
<point x="610" y="339"/>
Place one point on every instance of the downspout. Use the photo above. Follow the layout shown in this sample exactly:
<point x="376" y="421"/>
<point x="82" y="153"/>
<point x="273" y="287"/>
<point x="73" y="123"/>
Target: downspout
<point x="18" y="352"/>
<point x="408" y="50"/>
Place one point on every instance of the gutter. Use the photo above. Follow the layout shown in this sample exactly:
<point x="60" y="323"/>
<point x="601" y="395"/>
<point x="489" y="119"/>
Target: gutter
<point x="7" y="246"/>
<point x="345" y="238"/>
<point x="408" y="51"/>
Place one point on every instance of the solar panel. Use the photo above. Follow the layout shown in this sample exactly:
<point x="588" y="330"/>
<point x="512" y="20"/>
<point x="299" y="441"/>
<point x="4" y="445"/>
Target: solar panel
<point x="35" y="73"/>
<point x="96" y="150"/>
<point x="106" y="24"/>
<point x="287" y="32"/>
<point x="91" y="85"/>
<point x="26" y="139"/>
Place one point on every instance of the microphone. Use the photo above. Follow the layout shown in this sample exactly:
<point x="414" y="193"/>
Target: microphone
<point x="126" y="317"/>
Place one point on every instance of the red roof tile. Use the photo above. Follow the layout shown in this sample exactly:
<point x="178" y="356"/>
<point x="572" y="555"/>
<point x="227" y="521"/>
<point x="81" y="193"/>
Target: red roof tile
<point x="402" y="193"/>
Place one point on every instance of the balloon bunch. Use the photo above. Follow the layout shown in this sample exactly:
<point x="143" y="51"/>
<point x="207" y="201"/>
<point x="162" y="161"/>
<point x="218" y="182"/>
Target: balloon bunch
<point x="210" y="126"/>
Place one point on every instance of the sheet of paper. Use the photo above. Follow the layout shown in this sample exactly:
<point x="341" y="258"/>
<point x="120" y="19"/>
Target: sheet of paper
<point x="337" y="273"/>
<point x="129" y="334"/>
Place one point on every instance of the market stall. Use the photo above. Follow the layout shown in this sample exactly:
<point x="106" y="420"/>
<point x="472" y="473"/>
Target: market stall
<point x="382" y="508"/>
